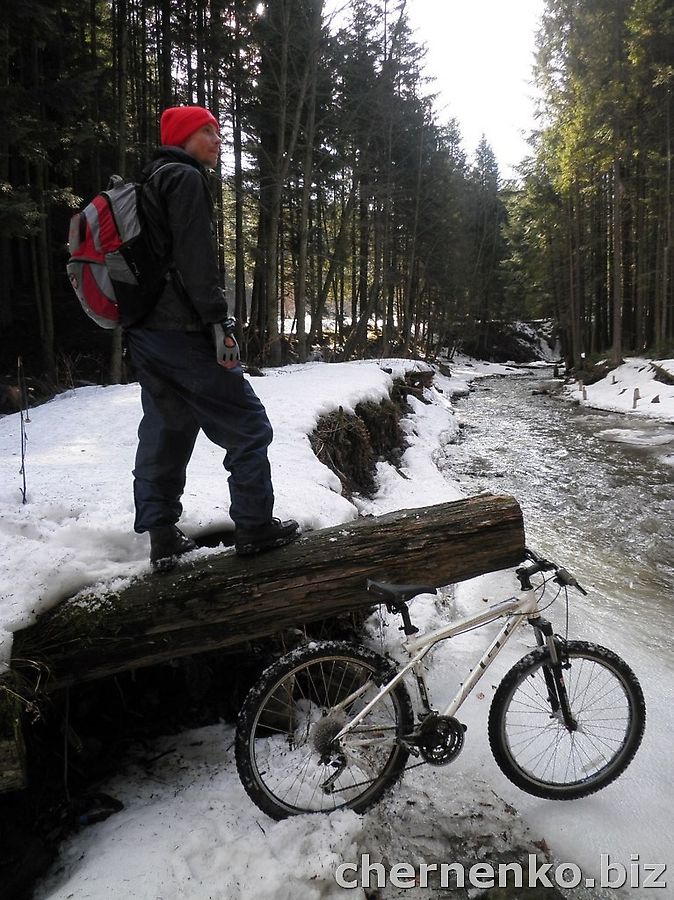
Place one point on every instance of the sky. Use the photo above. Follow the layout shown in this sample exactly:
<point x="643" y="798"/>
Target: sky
<point x="481" y="52"/>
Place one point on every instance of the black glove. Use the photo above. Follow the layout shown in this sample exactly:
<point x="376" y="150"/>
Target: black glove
<point x="226" y="348"/>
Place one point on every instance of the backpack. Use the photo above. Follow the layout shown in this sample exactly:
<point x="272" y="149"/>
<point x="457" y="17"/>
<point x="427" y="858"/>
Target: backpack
<point x="113" y="269"/>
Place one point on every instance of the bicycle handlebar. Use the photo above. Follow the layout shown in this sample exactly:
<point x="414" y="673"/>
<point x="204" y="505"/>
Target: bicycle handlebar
<point x="540" y="564"/>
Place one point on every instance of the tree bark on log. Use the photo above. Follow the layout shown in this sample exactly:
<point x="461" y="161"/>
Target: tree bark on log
<point x="223" y="600"/>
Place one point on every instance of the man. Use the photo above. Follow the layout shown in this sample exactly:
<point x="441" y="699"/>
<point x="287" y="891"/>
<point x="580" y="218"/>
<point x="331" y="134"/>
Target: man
<point x="186" y="358"/>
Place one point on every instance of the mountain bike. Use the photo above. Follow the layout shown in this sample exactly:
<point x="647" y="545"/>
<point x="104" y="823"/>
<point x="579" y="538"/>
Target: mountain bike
<point x="331" y="724"/>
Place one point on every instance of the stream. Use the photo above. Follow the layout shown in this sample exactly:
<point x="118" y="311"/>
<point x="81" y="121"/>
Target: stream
<point x="596" y="490"/>
<point x="597" y="493"/>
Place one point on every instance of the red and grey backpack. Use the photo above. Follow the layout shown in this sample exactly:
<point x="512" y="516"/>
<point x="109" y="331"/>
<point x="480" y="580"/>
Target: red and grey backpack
<point x="112" y="267"/>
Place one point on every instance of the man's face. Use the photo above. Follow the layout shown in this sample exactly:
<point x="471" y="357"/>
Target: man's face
<point x="204" y="145"/>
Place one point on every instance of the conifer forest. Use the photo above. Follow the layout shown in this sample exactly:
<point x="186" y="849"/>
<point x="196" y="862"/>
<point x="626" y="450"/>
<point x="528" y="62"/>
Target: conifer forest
<point x="349" y="216"/>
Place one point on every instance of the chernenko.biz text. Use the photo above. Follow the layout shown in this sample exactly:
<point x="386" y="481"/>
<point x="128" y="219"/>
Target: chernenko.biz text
<point x="613" y="873"/>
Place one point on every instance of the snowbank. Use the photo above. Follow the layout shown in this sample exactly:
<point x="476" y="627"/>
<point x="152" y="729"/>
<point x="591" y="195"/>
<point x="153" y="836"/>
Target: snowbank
<point x="76" y="528"/>
<point x="616" y="392"/>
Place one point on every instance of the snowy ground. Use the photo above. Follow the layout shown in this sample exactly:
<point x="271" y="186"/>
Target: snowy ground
<point x="77" y="527"/>
<point x="631" y="388"/>
<point x="188" y="829"/>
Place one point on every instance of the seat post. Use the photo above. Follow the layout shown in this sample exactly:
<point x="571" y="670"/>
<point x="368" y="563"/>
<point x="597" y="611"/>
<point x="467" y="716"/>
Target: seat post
<point x="407" y="627"/>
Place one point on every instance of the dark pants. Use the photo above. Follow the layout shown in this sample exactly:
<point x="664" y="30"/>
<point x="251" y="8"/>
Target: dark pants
<point x="184" y="389"/>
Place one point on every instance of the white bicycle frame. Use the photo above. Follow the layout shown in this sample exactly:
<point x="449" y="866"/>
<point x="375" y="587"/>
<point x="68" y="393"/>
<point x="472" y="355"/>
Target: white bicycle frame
<point x="516" y="610"/>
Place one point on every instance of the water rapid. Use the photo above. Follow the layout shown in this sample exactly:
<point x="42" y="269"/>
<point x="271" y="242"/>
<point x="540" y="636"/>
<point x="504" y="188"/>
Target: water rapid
<point x="596" y="490"/>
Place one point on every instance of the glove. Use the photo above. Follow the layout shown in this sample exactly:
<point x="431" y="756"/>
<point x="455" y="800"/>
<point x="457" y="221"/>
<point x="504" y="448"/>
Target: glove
<point x="226" y="348"/>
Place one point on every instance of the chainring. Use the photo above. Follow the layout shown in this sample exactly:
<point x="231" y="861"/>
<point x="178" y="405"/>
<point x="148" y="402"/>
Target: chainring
<point x="440" y="739"/>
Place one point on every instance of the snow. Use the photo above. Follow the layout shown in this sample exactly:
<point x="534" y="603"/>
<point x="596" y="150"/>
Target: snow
<point x="76" y="529"/>
<point x="631" y="389"/>
<point x="616" y="392"/>
<point x="187" y="828"/>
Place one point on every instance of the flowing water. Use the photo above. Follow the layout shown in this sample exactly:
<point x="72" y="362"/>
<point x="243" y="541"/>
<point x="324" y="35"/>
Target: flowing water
<point x="597" y="493"/>
<point x="596" y="490"/>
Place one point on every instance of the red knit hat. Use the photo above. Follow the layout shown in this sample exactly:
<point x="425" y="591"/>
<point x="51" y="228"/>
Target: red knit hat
<point x="179" y="122"/>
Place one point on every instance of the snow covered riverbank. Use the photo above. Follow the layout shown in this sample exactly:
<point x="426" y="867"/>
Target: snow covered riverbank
<point x="632" y="388"/>
<point x="188" y="830"/>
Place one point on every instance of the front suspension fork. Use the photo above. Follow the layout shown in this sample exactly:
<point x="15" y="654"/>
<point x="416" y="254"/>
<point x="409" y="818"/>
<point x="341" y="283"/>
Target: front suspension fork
<point x="554" y="680"/>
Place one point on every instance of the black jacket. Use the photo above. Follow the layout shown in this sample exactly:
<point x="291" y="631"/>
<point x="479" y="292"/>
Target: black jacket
<point x="178" y="211"/>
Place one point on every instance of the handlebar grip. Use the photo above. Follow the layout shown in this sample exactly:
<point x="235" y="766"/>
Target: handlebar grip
<point x="566" y="578"/>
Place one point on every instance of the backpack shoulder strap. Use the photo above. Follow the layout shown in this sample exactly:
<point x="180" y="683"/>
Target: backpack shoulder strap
<point x="144" y="178"/>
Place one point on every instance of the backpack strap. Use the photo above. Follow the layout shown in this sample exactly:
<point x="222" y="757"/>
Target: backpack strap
<point x="145" y="178"/>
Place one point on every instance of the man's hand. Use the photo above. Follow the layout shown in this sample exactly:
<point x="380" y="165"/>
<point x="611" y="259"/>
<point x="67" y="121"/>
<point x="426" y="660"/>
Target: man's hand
<point x="226" y="347"/>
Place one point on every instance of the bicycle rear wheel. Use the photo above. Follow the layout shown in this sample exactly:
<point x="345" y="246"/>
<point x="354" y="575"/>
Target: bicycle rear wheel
<point x="533" y="746"/>
<point x="285" y="751"/>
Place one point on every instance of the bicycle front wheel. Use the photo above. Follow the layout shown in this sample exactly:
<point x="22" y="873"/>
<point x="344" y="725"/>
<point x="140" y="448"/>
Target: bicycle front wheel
<point x="286" y="755"/>
<point x="530" y="741"/>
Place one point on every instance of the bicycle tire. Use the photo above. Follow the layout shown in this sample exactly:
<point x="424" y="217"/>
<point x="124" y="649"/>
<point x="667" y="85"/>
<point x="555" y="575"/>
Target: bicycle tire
<point x="289" y="717"/>
<point x="535" y="749"/>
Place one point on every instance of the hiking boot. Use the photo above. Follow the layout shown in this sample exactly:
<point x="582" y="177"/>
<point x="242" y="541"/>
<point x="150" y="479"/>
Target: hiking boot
<point x="265" y="537"/>
<point x="166" y="544"/>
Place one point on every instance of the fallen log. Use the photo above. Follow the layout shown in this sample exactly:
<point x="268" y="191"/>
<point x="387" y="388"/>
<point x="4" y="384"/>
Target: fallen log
<point x="221" y="601"/>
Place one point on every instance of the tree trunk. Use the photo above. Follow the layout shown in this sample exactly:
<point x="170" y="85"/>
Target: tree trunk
<point x="337" y="255"/>
<point x="357" y="340"/>
<point x="40" y="245"/>
<point x="201" y="64"/>
<point x="363" y="248"/>
<point x="617" y="259"/>
<point x="307" y="176"/>
<point x="240" y="310"/>
<point x="573" y="300"/>
<point x="6" y="260"/>
<point x="115" y="361"/>
<point x="409" y="281"/>
<point x="222" y="601"/>
<point x="165" y="78"/>
<point x="667" y="249"/>
<point x="43" y="282"/>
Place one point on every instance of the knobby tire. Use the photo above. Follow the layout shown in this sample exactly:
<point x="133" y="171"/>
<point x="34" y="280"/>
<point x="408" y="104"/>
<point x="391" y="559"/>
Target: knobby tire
<point x="290" y="715"/>
<point x="530" y="741"/>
